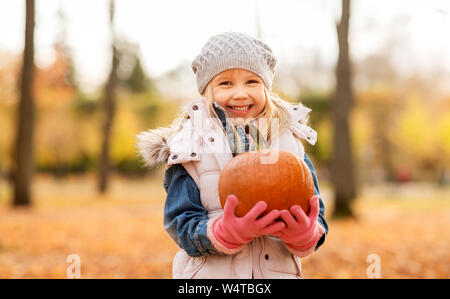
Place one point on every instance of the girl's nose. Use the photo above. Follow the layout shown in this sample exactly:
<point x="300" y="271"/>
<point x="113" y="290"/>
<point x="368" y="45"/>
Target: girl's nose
<point x="240" y="93"/>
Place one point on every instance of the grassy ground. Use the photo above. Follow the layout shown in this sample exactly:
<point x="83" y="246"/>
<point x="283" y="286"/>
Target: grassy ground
<point x="121" y="235"/>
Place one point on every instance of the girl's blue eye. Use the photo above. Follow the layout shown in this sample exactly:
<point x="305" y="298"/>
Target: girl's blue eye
<point x="225" y="83"/>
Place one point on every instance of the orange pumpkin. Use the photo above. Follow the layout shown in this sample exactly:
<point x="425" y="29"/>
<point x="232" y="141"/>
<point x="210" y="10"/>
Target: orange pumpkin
<point x="282" y="184"/>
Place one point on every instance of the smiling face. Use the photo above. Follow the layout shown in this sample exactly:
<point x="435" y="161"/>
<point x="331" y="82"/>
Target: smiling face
<point x="239" y="92"/>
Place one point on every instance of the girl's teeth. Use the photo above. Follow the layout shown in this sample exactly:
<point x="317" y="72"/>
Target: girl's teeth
<point x="240" y="108"/>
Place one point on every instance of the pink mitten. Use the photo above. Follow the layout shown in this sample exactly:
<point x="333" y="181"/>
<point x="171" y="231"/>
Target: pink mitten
<point x="233" y="231"/>
<point x="303" y="231"/>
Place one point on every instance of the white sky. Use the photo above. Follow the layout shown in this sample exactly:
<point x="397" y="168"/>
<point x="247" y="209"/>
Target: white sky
<point x="170" y="32"/>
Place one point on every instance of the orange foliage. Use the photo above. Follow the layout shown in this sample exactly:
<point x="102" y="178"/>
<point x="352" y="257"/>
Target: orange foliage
<point x="51" y="86"/>
<point x="122" y="235"/>
<point x="9" y="74"/>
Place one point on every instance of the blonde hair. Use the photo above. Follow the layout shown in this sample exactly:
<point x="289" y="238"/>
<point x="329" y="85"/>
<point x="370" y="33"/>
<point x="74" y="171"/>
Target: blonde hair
<point x="274" y="109"/>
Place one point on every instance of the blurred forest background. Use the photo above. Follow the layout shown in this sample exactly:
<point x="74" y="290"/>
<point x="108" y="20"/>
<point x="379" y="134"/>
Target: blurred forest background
<point x="91" y="195"/>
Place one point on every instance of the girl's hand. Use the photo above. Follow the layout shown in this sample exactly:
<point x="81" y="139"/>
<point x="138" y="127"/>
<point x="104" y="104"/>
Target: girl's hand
<point x="234" y="231"/>
<point x="301" y="230"/>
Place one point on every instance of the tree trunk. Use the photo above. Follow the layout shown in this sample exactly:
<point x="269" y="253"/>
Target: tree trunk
<point x="23" y="153"/>
<point x="109" y="108"/>
<point x="342" y="164"/>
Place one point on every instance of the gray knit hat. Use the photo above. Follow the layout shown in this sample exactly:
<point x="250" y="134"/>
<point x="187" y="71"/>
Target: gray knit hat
<point x="234" y="50"/>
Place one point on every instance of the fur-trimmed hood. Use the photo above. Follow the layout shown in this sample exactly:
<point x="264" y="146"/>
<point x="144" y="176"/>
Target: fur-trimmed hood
<point x="152" y="145"/>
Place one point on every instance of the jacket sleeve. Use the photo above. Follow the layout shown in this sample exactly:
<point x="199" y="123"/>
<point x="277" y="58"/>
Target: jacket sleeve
<point x="321" y="217"/>
<point x="185" y="219"/>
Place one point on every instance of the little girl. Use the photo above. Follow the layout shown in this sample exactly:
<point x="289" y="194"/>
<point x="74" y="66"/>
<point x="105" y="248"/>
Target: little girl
<point x="234" y="74"/>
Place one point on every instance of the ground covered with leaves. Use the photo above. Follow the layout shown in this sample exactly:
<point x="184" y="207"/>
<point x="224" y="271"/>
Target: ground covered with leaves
<point x="121" y="235"/>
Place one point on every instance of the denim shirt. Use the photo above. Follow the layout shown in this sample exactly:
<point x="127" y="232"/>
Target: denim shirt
<point x="185" y="219"/>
